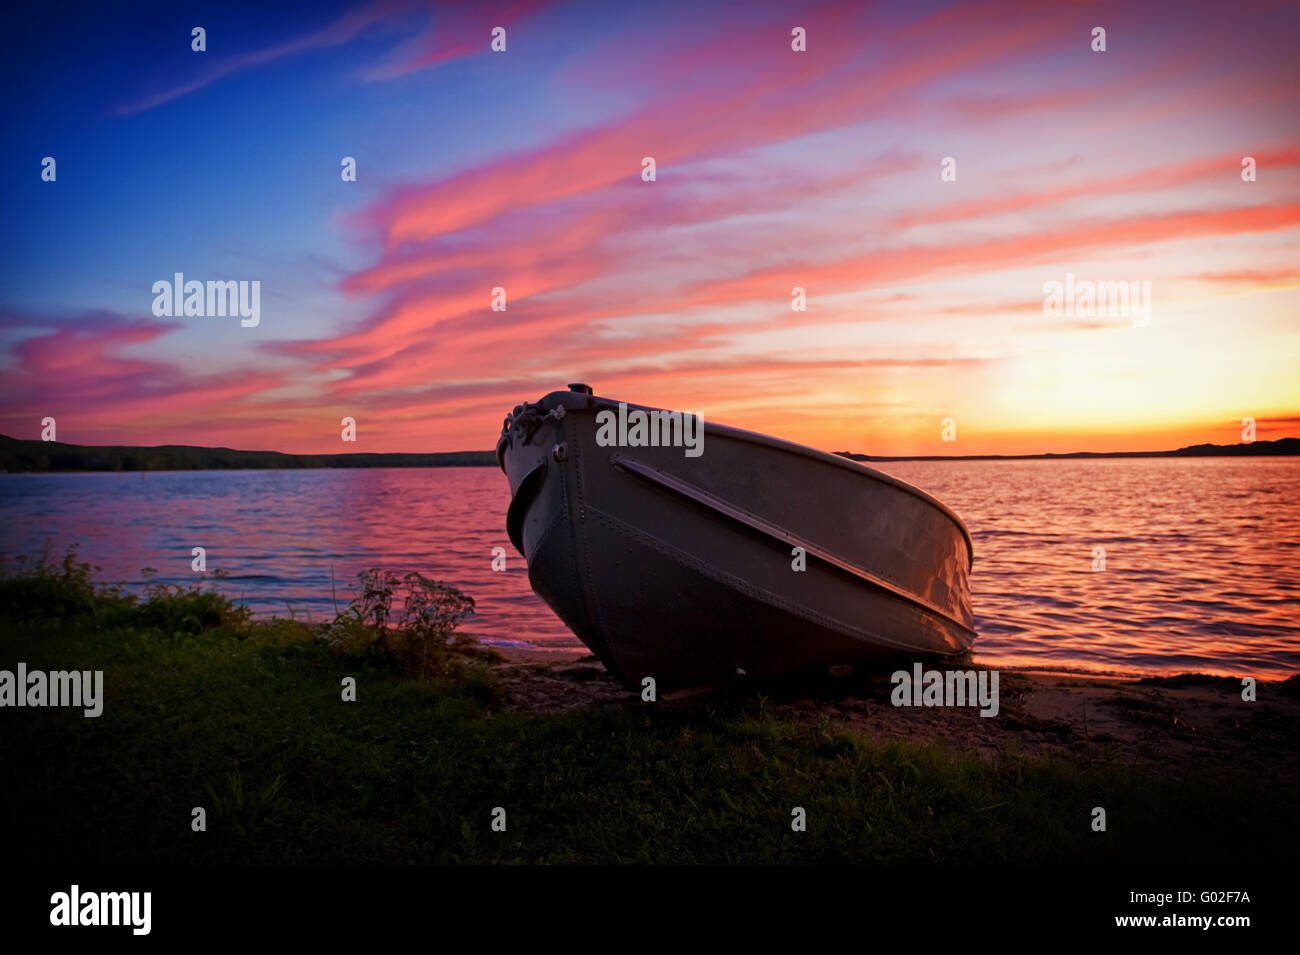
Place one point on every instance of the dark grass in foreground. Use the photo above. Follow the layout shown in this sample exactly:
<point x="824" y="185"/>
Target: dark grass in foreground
<point x="207" y="708"/>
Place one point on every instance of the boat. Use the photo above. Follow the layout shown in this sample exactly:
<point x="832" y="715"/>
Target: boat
<point x="739" y="554"/>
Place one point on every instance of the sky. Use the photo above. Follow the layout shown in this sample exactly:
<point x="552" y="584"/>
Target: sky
<point x="926" y="281"/>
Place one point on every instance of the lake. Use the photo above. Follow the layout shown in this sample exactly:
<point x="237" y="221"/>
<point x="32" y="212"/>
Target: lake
<point x="1202" y="567"/>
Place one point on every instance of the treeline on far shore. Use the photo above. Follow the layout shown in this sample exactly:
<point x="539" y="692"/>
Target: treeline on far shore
<point x="19" y="455"/>
<point x="1254" y="449"/>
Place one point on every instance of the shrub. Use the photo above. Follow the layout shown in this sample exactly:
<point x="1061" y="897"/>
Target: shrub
<point x="175" y="609"/>
<point x="419" y="641"/>
<point x="40" y="586"/>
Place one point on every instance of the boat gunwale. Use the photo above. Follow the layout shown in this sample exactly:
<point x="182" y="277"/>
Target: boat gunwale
<point x="577" y="401"/>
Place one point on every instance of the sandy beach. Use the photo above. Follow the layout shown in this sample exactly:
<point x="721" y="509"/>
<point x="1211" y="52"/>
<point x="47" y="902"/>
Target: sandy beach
<point x="1158" y="722"/>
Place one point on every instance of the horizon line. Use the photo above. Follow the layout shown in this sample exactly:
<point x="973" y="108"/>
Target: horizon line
<point x="1229" y="450"/>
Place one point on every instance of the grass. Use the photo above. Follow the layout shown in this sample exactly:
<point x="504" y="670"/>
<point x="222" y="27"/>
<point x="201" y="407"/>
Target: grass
<point x="208" y="708"/>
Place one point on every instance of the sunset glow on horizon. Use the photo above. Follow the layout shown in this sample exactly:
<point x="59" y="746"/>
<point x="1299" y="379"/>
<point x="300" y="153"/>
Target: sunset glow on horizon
<point x="774" y="169"/>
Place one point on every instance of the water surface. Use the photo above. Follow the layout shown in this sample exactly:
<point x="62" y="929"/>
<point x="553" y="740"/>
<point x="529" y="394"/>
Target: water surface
<point x="1202" y="570"/>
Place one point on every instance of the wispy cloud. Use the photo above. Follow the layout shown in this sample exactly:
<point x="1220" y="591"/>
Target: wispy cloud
<point x="451" y="32"/>
<point x="337" y="33"/>
<point x="776" y="170"/>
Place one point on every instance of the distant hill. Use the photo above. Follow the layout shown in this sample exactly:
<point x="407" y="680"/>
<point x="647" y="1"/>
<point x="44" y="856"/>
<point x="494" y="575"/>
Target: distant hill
<point x="19" y="455"/>
<point x="1254" y="449"/>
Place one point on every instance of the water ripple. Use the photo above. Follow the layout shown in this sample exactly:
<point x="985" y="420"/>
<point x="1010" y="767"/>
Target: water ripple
<point x="1199" y="571"/>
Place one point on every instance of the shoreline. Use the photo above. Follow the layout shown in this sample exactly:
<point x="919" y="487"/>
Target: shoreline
<point x="523" y="651"/>
<point x="1160" y="723"/>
